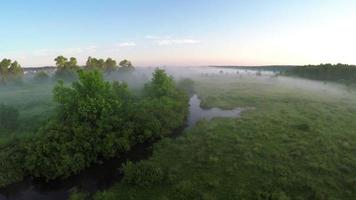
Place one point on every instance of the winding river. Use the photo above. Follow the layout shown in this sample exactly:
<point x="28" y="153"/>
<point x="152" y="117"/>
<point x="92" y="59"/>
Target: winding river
<point x="102" y="176"/>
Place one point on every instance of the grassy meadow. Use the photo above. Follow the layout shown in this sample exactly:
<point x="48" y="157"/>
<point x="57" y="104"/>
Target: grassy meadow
<point x="298" y="143"/>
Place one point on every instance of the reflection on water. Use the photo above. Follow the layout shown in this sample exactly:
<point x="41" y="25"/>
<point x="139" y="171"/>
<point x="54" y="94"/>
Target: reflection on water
<point x="196" y="113"/>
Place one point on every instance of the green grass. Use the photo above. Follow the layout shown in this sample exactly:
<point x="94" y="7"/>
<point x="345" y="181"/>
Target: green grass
<point x="299" y="143"/>
<point x="34" y="102"/>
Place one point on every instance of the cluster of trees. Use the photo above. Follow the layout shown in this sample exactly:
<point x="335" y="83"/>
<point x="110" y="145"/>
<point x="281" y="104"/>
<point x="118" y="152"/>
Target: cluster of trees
<point x="66" y="69"/>
<point x="108" y="65"/>
<point x="9" y="70"/>
<point x="96" y="119"/>
<point x="326" y="72"/>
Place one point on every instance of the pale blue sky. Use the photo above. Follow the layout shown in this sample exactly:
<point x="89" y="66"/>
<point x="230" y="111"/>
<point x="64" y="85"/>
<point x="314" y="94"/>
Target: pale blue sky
<point x="180" y="32"/>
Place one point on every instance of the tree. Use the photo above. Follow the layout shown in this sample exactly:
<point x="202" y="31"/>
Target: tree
<point x="66" y="70"/>
<point x="72" y="63"/>
<point x="126" y="66"/>
<point x="9" y="70"/>
<point x="91" y="121"/>
<point x="61" y="61"/>
<point x="160" y="85"/>
<point x="125" y="63"/>
<point x="110" y="65"/>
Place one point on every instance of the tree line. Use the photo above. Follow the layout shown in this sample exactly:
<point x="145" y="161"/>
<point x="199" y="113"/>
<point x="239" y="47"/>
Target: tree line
<point x="326" y="72"/>
<point x="66" y="68"/>
<point x="94" y="120"/>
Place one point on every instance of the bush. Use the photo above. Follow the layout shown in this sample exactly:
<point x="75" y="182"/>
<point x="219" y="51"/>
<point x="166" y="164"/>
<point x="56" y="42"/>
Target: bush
<point x="143" y="174"/>
<point x="185" y="190"/>
<point x="41" y="77"/>
<point x="186" y="85"/>
<point x="105" y="195"/>
<point x="95" y="119"/>
<point x="8" y="117"/>
<point x="66" y="75"/>
<point x="11" y="169"/>
<point x="79" y="196"/>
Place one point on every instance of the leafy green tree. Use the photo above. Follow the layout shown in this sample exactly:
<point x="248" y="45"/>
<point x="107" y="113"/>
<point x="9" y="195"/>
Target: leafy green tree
<point x="126" y="66"/>
<point x="165" y="101"/>
<point x="9" y="70"/>
<point x="66" y="69"/>
<point x="72" y="63"/>
<point x="91" y="122"/>
<point x="110" y="65"/>
<point x="125" y="63"/>
<point x="160" y="85"/>
<point x="61" y="61"/>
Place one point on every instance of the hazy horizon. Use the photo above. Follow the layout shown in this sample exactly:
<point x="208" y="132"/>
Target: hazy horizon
<point x="180" y="33"/>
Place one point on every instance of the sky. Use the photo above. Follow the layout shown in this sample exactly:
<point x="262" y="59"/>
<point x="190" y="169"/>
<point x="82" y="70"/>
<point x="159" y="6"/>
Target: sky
<point x="180" y="32"/>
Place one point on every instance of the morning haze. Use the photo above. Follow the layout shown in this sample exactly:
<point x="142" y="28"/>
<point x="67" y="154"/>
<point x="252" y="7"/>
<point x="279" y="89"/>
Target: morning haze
<point x="210" y="100"/>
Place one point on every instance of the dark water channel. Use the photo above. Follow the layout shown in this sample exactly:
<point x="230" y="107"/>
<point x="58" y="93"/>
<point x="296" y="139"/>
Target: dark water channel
<point x="102" y="176"/>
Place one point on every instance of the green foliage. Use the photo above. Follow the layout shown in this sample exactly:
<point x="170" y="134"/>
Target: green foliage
<point x="143" y="174"/>
<point x="160" y="85"/>
<point x="326" y="72"/>
<point x="11" y="169"/>
<point x="165" y="101"/>
<point x="126" y="66"/>
<point x="8" y="117"/>
<point x="108" y="65"/>
<point x="105" y="195"/>
<point x="90" y="122"/>
<point x="79" y="196"/>
<point x="41" y="77"/>
<point x="9" y="71"/>
<point x="294" y="145"/>
<point x="185" y="190"/>
<point x="66" y="69"/>
<point x="95" y="119"/>
<point x="186" y="85"/>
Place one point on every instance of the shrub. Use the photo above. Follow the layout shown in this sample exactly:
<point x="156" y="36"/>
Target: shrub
<point x="41" y="77"/>
<point x="143" y="174"/>
<point x="8" y="117"/>
<point x="185" y="190"/>
<point x="79" y="196"/>
<point x="105" y="195"/>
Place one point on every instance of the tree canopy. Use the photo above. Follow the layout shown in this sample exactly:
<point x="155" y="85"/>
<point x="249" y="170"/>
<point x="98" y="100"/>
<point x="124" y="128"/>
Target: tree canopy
<point x="326" y="72"/>
<point x="66" y="69"/>
<point x="9" y="70"/>
<point x="108" y="65"/>
<point x="98" y="119"/>
<point x="126" y="66"/>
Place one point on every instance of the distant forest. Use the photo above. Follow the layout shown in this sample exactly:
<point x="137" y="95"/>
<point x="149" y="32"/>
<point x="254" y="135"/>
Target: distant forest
<point x="326" y="72"/>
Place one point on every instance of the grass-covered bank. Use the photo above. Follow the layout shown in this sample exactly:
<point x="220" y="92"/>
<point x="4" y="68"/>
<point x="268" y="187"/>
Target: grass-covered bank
<point x="299" y="143"/>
